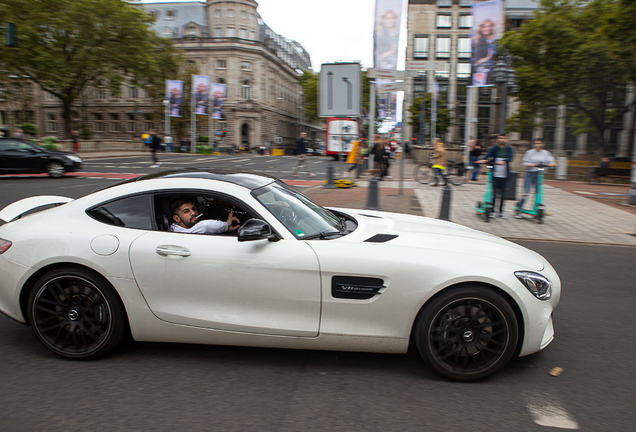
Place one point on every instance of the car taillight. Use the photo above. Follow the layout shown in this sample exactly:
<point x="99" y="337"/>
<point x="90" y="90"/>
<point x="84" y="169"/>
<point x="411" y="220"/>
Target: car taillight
<point x="4" y="245"/>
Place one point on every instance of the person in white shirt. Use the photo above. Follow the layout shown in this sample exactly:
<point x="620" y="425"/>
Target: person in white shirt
<point x="185" y="215"/>
<point x="533" y="158"/>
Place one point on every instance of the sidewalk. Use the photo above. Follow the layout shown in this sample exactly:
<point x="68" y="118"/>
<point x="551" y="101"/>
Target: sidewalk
<point x="571" y="215"/>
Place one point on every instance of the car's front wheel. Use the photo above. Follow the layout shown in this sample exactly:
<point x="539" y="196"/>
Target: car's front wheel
<point x="55" y="169"/>
<point x="467" y="333"/>
<point x="76" y="313"/>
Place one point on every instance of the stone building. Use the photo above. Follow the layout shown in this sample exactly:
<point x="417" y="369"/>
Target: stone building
<point x="226" y="40"/>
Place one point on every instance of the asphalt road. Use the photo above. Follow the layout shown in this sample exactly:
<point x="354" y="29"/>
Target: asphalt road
<point x="150" y="386"/>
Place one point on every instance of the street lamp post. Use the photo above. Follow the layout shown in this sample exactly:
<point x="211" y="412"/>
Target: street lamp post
<point x="276" y="140"/>
<point x="506" y="77"/>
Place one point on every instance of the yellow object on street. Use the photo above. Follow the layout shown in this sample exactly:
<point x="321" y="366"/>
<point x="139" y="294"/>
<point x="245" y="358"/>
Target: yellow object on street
<point x="342" y="183"/>
<point x="278" y="152"/>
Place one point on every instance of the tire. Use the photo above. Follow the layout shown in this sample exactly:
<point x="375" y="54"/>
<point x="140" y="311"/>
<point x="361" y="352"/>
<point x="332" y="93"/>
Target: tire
<point x="55" y="169"/>
<point x="467" y="333"/>
<point x="487" y="212"/>
<point x="76" y="313"/>
<point x="456" y="175"/>
<point x="423" y="173"/>
<point x="540" y="216"/>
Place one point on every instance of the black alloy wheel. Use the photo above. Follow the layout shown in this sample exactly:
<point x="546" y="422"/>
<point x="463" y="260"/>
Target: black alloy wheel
<point x="467" y="334"/>
<point x="76" y="313"/>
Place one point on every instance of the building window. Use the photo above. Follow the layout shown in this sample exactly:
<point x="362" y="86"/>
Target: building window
<point x="246" y="89"/>
<point x="52" y="123"/>
<point x="246" y="66"/>
<point x="444" y="21"/>
<point x="218" y="13"/>
<point x="463" y="70"/>
<point x="133" y="92"/>
<point x="252" y="35"/>
<point x="465" y="21"/>
<point x="420" y="50"/>
<point x="192" y="31"/>
<point x="101" y="93"/>
<point x="230" y="13"/>
<point x="230" y="32"/>
<point x="218" y="32"/>
<point x="166" y="32"/>
<point x="131" y="127"/>
<point x="154" y="14"/>
<point x="442" y="47"/>
<point x="444" y="3"/>
<point x="444" y="72"/>
<point x="466" y="3"/>
<point x="221" y="81"/>
<point x="463" y="47"/>
<point x="114" y="125"/>
<point x="171" y="15"/>
<point x="243" y="14"/>
<point x="101" y="127"/>
<point x="220" y="64"/>
<point x="243" y="33"/>
<point x="483" y="113"/>
<point x="49" y="96"/>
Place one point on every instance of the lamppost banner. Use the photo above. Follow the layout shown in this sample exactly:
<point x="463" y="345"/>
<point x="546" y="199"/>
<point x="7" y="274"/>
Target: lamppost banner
<point x="174" y="90"/>
<point x="485" y="34"/>
<point x="386" y="36"/>
<point x="218" y="100"/>
<point x="200" y="93"/>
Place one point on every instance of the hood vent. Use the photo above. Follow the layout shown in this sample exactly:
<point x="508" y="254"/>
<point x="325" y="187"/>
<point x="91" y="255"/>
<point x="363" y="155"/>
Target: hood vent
<point x="381" y="238"/>
<point x="355" y="287"/>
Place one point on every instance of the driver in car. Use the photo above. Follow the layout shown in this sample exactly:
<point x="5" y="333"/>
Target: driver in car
<point x="186" y="219"/>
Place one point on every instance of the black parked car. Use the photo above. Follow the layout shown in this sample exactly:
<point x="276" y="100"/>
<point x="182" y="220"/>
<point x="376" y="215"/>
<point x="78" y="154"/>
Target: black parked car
<point x="18" y="156"/>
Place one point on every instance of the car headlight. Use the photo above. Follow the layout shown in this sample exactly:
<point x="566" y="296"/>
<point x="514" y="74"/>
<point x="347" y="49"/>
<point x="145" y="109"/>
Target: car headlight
<point x="74" y="158"/>
<point x="536" y="283"/>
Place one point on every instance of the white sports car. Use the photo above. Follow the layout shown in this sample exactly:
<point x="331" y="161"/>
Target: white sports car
<point x="84" y="272"/>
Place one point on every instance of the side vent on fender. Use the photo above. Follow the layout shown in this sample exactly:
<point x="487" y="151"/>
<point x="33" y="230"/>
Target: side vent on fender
<point x="354" y="287"/>
<point x="381" y="238"/>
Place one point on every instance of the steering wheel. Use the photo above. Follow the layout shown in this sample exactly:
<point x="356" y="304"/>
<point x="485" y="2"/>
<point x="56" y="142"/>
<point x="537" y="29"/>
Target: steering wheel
<point x="285" y="213"/>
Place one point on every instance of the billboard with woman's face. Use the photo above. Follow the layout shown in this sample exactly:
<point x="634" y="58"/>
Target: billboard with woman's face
<point x="218" y="100"/>
<point x="485" y="36"/>
<point x="200" y="93"/>
<point x="173" y="96"/>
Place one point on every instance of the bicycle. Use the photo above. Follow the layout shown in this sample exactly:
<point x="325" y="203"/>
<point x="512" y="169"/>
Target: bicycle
<point x="456" y="173"/>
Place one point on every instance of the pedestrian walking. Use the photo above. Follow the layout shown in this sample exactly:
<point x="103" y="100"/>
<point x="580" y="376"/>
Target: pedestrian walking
<point x="185" y="145"/>
<point x="301" y="150"/>
<point x="439" y="164"/>
<point x="19" y="133"/>
<point x="146" y="140"/>
<point x="154" y="146"/>
<point x="532" y="158"/>
<point x="76" y="143"/>
<point x="353" y="158"/>
<point x="475" y="150"/>
<point x="502" y="155"/>
<point x="379" y="155"/>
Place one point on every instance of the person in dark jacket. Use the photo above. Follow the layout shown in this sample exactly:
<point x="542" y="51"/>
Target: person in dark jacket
<point x="154" y="146"/>
<point x="301" y="151"/>
<point x="502" y="155"/>
<point x="379" y="156"/>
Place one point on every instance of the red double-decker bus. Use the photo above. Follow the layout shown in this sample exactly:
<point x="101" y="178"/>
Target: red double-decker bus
<point x="341" y="133"/>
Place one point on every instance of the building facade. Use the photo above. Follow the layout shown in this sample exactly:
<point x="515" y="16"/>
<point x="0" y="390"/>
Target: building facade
<point x="226" y="40"/>
<point x="440" y="30"/>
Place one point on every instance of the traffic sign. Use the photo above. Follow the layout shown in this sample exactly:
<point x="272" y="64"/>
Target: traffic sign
<point x="386" y="74"/>
<point x="425" y="65"/>
<point x="391" y="87"/>
<point x="340" y="90"/>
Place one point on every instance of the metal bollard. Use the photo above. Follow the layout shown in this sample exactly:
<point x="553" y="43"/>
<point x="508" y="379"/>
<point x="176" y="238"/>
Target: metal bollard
<point x="562" y="169"/>
<point x="372" y="200"/>
<point x="330" y="184"/>
<point x="444" y="211"/>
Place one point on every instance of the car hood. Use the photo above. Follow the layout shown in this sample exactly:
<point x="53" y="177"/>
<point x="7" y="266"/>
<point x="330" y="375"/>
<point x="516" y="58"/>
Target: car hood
<point x="438" y="236"/>
<point x="18" y="208"/>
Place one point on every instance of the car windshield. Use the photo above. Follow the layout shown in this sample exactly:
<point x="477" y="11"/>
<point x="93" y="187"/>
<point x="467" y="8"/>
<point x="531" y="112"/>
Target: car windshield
<point x="300" y="215"/>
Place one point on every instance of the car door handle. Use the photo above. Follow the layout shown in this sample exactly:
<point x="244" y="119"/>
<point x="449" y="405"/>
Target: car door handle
<point x="172" y="250"/>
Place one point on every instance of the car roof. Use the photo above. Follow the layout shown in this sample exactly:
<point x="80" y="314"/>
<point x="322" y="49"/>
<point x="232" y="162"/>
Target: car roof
<point x="248" y="179"/>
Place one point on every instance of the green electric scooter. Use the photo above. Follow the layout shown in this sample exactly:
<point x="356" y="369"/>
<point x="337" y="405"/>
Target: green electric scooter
<point x="538" y="209"/>
<point x="485" y="207"/>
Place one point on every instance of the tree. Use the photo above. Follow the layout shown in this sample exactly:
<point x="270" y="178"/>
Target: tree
<point x="443" y="115"/>
<point x="66" y="46"/>
<point x="563" y="57"/>
<point x="309" y="82"/>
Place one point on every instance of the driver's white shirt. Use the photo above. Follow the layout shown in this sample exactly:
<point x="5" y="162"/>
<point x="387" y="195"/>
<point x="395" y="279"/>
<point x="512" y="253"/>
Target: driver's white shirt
<point x="208" y="226"/>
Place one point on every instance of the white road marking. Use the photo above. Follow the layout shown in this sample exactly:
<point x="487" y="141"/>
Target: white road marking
<point x="546" y="410"/>
<point x="585" y="193"/>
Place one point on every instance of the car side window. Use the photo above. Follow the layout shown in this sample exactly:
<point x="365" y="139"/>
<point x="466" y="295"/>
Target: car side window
<point x="8" y="145"/>
<point x="130" y="212"/>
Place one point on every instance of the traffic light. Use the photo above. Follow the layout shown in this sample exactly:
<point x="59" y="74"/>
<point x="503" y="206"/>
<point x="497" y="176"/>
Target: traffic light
<point x="9" y="35"/>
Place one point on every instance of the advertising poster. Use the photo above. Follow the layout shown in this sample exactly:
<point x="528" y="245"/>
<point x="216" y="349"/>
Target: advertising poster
<point x="485" y="34"/>
<point x="386" y="37"/>
<point x="218" y="100"/>
<point x="174" y="90"/>
<point x="200" y="93"/>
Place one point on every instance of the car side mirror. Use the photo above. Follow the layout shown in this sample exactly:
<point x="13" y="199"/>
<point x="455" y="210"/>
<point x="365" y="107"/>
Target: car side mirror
<point x="256" y="229"/>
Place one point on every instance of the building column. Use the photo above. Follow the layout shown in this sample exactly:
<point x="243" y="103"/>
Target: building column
<point x="559" y="144"/>
<point x="581" y="144"/>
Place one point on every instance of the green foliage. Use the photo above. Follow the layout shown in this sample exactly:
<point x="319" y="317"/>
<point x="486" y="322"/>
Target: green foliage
<point x="563" y="56"/>
<point x="49" y="143"/>
<point x="29" y="128"/>
<point x="85" y="132"/>
<point x="66" y="46"/>
<point x="309" y="82"/>
<point x="204" y="149"/>
<point x="181" y="124"/>
<point x="443" y="115"/>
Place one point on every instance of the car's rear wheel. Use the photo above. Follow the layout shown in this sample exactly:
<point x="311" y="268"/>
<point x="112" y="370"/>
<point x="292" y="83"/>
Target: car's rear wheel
<point x="55" y="169"/>
<point x="76" y="313"/>
<point x="467" y="333"/>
